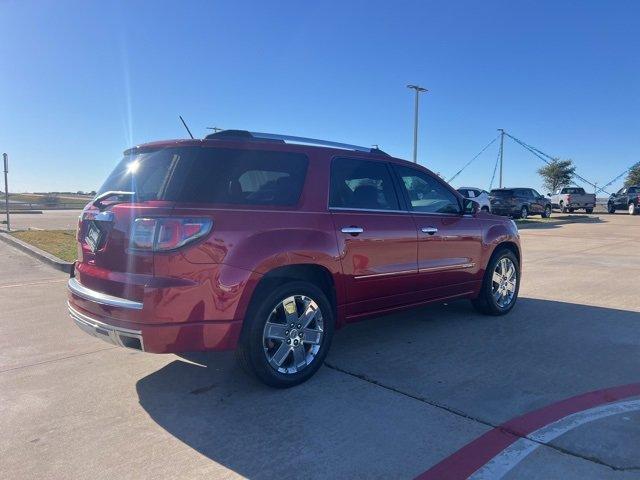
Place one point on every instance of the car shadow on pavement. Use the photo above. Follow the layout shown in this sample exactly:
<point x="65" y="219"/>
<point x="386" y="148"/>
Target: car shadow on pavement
<point x="489" y="368"/>
<point x="555" y="222"/>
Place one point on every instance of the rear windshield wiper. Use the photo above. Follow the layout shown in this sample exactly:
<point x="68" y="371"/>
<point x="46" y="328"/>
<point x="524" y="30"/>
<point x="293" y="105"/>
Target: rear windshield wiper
<point x="97" y="202"/>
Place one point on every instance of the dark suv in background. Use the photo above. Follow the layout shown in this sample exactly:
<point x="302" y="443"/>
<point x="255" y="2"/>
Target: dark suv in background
<point x="519" y="202"/>
<point x="266" y="244"/>
<point x="627" y="198"/>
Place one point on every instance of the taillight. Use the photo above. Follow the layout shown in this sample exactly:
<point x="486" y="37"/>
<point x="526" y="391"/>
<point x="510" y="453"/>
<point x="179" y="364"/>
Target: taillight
<point x="169" y="233"/>
<point x="568" y="198"/>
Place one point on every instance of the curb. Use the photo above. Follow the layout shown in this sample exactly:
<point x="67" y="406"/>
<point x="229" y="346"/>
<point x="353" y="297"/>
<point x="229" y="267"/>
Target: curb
<point x="35" y="252"/>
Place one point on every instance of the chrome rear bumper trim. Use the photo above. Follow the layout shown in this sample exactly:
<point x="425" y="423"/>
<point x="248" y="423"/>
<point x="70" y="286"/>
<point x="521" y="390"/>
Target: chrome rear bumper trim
<point x="115" y="335"/>
<point x="102" y="298"/>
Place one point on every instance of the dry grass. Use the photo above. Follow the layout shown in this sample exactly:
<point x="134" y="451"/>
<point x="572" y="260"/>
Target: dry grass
<point x="61" y="243"/>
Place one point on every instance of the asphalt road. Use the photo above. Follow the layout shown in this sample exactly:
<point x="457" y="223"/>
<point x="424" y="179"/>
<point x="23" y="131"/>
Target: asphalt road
<point x="47" y="220"/>
<point x="398" y="395"/>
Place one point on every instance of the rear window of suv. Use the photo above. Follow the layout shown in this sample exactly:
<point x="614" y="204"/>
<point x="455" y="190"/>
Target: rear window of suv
<point x="145" y="173"/>
<point x="212" y="176"/>
<point x="502" y="193"/>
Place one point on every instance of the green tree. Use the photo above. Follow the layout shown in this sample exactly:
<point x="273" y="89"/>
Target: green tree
<point x="558" y="173"/>
<point x="633" y="176"/>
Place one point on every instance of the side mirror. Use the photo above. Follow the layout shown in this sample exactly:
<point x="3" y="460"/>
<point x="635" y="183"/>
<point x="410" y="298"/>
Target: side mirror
<point x="471" y="207"/>
<point x="548" y="194"/>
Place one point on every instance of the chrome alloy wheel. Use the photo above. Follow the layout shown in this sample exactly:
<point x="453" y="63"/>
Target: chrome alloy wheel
<point x="293" y="334"/>
<point x="503" y="282"/>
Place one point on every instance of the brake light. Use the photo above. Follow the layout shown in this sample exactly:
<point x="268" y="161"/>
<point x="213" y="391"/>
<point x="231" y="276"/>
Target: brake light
<point x="568" y="198"/>
<point x="165" y="234"/>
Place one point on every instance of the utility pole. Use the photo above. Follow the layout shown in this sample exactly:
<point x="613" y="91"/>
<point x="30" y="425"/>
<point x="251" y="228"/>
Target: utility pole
<point x="418" y="90"/>
<point x="5" y="157"/>
<point x="501" y="152"/>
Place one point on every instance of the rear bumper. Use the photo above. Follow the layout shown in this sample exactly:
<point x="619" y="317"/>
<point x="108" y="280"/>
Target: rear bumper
<point x="580" y="205"/>
<point x="76" y="288"/>
<point x="122" y="337"/>
<point x="504" y="211"/>
<point x="166" y="317"/>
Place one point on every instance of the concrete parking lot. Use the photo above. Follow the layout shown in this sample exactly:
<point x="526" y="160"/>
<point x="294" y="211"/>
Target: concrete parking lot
<point x="438" y="392"/>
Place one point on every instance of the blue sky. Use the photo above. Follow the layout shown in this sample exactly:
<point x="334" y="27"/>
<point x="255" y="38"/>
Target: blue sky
<point x="82" y="81"/>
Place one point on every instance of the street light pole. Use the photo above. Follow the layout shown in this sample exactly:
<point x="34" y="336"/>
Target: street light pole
<point x="5" y="157"/>
<point x="418" y="90"/>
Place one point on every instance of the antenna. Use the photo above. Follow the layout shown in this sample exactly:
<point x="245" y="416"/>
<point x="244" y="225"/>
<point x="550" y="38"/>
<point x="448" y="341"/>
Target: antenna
<point x="185" y="125"/>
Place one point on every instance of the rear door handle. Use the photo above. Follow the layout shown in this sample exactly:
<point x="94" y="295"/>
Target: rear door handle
<point x="429" y="230"/>
<point x="352" y="230"/>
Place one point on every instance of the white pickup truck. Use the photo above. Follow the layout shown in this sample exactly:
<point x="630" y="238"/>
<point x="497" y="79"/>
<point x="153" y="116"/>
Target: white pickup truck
<point x="568" y="199"/>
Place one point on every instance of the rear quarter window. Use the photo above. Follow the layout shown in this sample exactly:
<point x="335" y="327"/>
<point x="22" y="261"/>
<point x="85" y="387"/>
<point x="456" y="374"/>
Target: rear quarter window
<point x="240" y="177"/>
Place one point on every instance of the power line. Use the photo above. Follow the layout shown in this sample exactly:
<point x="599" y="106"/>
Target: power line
<point x="470" y="161"/>
<point x="495" y="167"/>
<point x="541" y="155"/>
<point x="602" y="189"/>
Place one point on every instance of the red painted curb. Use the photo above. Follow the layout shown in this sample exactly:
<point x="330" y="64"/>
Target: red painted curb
<point x="471" y="457"/>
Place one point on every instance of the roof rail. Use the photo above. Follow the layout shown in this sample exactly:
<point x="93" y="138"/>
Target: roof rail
<point x="274" y="137"/>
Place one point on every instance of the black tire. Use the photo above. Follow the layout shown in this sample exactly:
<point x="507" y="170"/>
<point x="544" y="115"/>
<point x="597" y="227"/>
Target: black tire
<point x="524" y="212"/>
<point x="485" y="209"/>
<point x="547" y="212"/>
<point x="611" y="208"/>
<point x="251" y="352"/>
<point x="485" y="303"/>
<point x="571" y="210"/>
<point x="588" y="210"/>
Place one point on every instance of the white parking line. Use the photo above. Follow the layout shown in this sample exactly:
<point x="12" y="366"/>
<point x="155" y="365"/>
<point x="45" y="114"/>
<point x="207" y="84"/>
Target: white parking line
<point x="511" y="456"/>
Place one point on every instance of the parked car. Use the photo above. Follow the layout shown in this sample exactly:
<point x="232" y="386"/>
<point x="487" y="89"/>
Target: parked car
<point x="627" y="198"/>
<point x="259" y="243"/>
<point x="477" y="195"/>
<point x="519" y="202"/>
<point x="568" y="199"/>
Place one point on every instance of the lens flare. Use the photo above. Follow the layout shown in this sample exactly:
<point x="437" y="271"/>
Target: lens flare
<point x="133" y="167"/>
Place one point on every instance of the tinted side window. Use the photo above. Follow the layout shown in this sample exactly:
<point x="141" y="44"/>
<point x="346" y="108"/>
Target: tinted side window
<point x="361" y="184"/>
<point x="631" y="190"/>
<point x="243" y="177"/>
<point x="426" y="193"/>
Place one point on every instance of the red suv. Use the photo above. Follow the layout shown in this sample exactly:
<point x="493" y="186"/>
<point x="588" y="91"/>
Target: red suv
<point x="266" y="244"/>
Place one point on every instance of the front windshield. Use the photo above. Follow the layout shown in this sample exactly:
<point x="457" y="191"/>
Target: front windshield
<point x="145" y="174"/>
